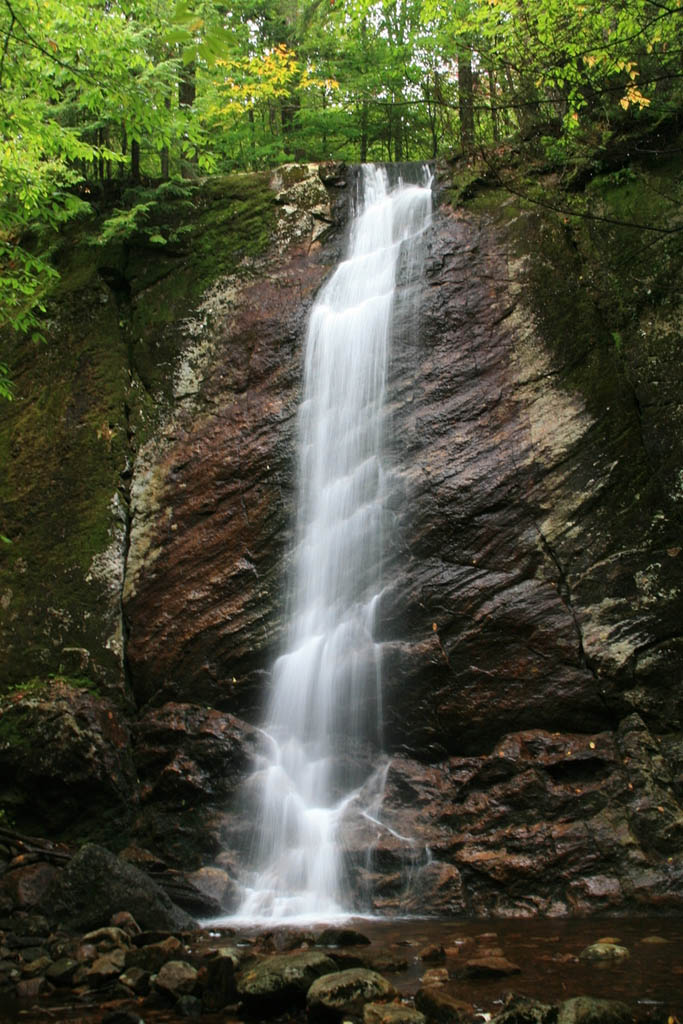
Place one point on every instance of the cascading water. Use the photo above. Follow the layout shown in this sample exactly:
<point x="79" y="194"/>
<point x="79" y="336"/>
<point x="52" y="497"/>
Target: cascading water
<point x="326" y="695"/>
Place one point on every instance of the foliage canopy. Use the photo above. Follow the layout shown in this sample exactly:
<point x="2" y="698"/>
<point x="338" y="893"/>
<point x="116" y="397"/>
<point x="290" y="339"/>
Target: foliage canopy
<point x="95" y="94"/>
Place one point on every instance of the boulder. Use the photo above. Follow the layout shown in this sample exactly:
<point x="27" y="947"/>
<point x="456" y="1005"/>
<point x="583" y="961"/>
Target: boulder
<point x="441" y="1007"/>
<point x="176" y="978"/>
<point x="343" y="993"/>
<point x="586" y="1010"/>
<point x="278" y="981"/>
<point x="96" y="884"/>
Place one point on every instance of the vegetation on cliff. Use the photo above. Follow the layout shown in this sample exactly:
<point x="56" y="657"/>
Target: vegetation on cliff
<point x="94" y="97"/>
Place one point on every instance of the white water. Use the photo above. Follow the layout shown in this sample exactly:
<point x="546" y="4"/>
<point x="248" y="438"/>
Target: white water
<point x="326" y="696"/>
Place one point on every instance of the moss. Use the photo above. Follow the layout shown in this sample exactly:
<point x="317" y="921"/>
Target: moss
<point x="605" y="299"/>
<point x="39" y="684"/>
<point x="89" y="397"/>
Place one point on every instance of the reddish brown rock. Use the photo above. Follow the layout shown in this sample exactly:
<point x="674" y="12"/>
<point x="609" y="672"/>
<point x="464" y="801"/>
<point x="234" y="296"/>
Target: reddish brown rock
<point x="30" y="884"/>
<point x="490" y="967"/>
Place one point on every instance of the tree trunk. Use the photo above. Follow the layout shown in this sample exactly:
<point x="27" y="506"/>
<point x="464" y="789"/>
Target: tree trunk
<point x="466" y="99"/>
<point x="494" y="107"/>
<point x="187" y="92"/>
<point x="135" y="161"/>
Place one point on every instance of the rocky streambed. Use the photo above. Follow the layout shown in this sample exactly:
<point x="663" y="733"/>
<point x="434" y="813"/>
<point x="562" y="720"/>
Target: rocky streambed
<point x="378" y="972"/>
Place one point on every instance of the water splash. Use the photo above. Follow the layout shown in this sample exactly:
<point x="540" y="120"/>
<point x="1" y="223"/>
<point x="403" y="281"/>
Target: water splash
<point x="326" y="693"/>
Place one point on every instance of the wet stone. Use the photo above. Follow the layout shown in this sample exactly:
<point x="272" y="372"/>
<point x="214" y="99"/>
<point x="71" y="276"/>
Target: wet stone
<point x="62" y="971"/>
<point x="35" y="967"/>
<point x="346" y="992"/>
<point x="604" y="951"/>
<point x="126" y="922"/>
<point x="122" y="1015"/>
<point x="490" y="966"/>
<point x="432" y="954"/>
<point x="136" y="980"/>
<point x="29" y="988"/>
<point x="154" y="956"/>
<point x="523" y="1010"/>
<point x="176" y="978"/>
<point x="189" y="1007"/>
<point x="391" y="1013"/>
<point x="585" y="1010"/>
<point x="216" y="980"/>
<point x="105" y="939"/>
<point x="278" y="979"/>
<point x="106" y="968"/>
<point x="441" y="1007"/>
<point x="435" y="976"/>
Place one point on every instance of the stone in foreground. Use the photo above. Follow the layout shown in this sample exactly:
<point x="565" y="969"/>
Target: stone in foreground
<point x="346" y="992"/>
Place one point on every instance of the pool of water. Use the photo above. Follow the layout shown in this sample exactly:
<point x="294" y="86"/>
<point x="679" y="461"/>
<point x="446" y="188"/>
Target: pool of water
<point x="546" y="951"/>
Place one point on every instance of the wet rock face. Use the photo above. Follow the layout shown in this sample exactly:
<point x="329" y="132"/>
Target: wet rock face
<point x="530" y="618"/>
<point x="530" y="582"/>
<point x="518" y="595"/>
<point x="212" y="498"/>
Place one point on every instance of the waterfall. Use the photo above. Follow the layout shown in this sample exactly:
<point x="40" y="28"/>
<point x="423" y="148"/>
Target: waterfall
<point x="326" y="693"/>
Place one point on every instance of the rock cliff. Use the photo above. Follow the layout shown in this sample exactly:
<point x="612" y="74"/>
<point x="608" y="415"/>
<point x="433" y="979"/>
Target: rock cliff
<point x="531" y="618"/>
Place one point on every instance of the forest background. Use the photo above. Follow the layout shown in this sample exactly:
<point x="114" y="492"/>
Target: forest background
<point x="109" y="107"/>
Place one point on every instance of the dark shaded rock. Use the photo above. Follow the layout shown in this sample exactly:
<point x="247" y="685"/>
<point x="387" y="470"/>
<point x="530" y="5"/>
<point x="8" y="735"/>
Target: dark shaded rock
<point x="96" y="884"/>
<point x="189" y="1006"/>
<point x="523" y="1010"/>
<point x="280" y="980"/>
<point x="136" y="979"/>
<point x="440" y="1006"/>
<point x="152" y="956"/>
<point x="36" y="966"/>
<point x="190" y="759"/>
<point x="342" y="937"/>
<point x="216" y="980"/>
<point x="62" y="971"/>
<point x="122" y="1015"/>
<point x="31" y="988"/>
<point x="65" y="753"/>
<point x="586" y="1010"/>
<point x="106" y="968"/>
<point x="346" y="992"/>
